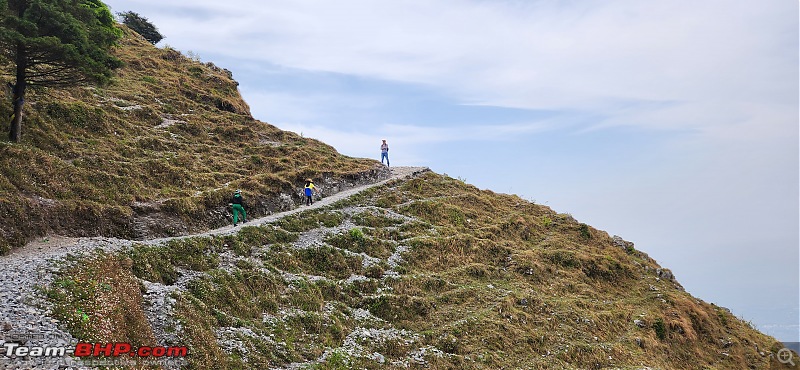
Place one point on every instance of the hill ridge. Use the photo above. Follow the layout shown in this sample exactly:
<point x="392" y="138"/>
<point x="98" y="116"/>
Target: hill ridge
<point x="153" y="154"/>
<point x="422" y="272"/>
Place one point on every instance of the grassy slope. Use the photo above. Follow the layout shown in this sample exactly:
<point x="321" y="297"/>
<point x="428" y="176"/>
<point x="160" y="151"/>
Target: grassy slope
<point x="487" y="281"/>
<point x="155" y="153"/>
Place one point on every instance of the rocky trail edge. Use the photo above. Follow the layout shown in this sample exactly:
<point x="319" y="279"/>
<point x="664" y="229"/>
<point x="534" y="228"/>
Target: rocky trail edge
<point x="27" y="270"/>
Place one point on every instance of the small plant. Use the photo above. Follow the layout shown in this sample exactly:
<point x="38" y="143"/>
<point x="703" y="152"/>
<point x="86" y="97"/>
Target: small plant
<point x="356" y="234"/>
<point x="149" y="79"/>
<point x="563" y="258"/>
<point x="335" y="361"/>
<point x="723" y="318"/>
<point x="328" y="261"/>
<point x="584" y="230"/>
<point x="196" y="71"/>
<point x="660" y="328"/>
<point x="546" y="221"/>
<point x="375" y="271"/>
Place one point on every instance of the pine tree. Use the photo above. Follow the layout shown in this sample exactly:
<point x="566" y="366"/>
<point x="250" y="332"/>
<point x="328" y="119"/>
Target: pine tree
<point x="55" y="43"/>
<point x="142" y="26"/>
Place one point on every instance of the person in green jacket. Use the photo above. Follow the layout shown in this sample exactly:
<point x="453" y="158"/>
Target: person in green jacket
<point x="238" y="207"/>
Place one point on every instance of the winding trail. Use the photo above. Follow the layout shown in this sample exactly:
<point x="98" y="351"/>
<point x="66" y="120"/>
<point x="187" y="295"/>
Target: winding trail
<point x="25" y="316"/>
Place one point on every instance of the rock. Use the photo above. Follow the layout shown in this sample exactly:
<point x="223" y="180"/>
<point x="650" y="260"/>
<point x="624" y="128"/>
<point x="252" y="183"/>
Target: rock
<point x="621" y="243"/>
<point x="639" y="323"/>
<point x="665" y="274"/>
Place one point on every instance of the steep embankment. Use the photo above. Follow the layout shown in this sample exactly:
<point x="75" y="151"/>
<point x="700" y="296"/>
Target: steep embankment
<point x="156" y="153"/>
<point x="427" y="272"/>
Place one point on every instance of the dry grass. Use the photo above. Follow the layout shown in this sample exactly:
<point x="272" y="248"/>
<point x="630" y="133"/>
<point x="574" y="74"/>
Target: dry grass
<point x="484" y="285"/>
<point x="170" y="136"/>
<point x="99" y="300"/>
<point x="486" y="280"/>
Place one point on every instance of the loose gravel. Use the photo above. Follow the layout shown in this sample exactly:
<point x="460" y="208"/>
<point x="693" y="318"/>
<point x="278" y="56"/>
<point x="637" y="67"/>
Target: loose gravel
<point x="26" y="317"/>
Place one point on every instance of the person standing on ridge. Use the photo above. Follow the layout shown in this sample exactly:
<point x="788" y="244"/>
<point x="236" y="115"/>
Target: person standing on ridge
<point x="309" y="190"/>
<point x="237" y="203"/>
<point x="385" y="152"/>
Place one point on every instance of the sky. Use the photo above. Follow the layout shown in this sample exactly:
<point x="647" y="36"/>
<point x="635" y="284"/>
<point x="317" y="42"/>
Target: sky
<point x="673" y="124"/>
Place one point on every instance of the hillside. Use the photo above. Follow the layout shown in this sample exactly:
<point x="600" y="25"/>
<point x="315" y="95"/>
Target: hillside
<point x="156" y="153"/>
<point x="419" y="270"/>
<point x="424" y="272"/>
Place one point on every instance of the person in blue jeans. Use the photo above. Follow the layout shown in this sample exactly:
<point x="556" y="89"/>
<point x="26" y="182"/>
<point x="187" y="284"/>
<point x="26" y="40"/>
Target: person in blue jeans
<point x="385" y="152"/>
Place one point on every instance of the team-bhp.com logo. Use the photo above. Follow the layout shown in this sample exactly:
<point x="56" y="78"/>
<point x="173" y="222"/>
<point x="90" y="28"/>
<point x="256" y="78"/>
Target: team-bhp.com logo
<point x="87" y="350"/>
<point x="125" y="349"/>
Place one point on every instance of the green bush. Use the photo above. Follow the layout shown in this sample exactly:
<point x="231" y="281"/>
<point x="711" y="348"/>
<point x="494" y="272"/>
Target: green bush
<point x="584" y="230"/>
<point x="356" y="234"/>
<point x="660" y="329"/>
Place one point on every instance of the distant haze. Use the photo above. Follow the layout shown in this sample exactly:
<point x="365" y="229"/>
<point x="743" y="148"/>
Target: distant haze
<point x="673" y="124"/>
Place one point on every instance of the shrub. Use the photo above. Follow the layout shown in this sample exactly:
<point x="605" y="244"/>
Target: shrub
<point x="356" y="234"/>
<point x="584" y="230"/>
<point x="142" y="26"/>
<point x="660" y="329"/>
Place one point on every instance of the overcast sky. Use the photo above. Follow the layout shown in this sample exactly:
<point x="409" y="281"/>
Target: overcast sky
<point x="673" y="123"/>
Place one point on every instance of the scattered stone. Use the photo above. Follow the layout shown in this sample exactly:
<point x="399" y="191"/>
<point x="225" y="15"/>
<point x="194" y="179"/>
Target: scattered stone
<point x="26" y="314"/>
<point x="621" y="243"/>
<point x="665" y="274"/>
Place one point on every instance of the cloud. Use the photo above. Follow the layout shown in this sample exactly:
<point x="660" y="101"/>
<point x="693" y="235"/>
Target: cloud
<point x="594" y="56"/>
<point x="355" y="142"/>
<point x="673" y="123"/>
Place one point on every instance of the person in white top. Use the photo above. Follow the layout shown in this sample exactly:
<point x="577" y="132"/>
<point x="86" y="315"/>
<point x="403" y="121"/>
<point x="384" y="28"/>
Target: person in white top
<point x="385" y="152"/>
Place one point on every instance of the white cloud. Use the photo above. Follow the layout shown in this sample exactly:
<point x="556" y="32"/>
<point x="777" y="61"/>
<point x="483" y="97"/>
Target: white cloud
<point x="359" y="143"/>
<point x="539" y="54"/>
<point x="724" y="72"/>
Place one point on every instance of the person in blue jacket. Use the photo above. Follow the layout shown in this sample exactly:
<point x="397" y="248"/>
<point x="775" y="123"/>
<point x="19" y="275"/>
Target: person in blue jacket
<point x="309" y="191"/>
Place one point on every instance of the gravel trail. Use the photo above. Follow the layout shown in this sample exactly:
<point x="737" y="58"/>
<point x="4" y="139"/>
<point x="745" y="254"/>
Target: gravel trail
<point x="25" y="317"/>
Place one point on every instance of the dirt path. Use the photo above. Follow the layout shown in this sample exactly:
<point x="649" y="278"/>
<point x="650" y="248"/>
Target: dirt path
<point x="397" y="173"/>
<point x="25" y="315"/>
<point x="55" y="245"/>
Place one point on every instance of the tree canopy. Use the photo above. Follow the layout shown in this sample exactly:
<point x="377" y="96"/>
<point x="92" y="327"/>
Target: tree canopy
<point x="142" y="26"/>
<point x="55" y="43"/>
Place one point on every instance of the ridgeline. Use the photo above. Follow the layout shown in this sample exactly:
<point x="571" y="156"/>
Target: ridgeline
<point x="423" y="271"/>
